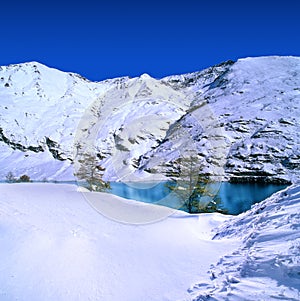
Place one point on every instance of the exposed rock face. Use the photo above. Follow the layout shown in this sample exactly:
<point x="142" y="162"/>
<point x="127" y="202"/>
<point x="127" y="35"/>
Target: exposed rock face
<point x="241" y="119"/>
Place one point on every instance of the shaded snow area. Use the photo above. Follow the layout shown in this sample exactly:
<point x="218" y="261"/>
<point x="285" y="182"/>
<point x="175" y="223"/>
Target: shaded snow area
<point x="55" y="246"/>
<point x="266" y="266"/>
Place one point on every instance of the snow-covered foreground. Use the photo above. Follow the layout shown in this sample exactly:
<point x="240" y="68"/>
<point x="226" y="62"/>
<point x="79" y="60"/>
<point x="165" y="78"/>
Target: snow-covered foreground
<point x="55" y="246"/>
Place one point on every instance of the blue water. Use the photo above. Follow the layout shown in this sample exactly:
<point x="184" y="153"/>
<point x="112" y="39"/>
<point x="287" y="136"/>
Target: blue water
<point x="234" y="197"/>
<point x="239" y="197"/>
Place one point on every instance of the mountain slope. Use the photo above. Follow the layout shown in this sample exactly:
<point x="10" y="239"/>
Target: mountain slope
<point x="40" y="109"/>
<point x="253" y="108"/>
<point x="240" y="119"/>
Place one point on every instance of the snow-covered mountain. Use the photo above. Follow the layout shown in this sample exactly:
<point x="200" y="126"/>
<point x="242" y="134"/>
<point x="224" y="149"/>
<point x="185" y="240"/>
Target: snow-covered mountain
<point x="240" y="119"/>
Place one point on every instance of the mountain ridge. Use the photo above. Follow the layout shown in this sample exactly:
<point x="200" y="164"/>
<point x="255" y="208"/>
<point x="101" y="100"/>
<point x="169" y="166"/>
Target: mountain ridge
<point x="239" y="118"/>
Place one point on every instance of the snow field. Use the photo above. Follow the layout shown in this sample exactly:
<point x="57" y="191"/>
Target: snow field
<point x="55" y="246"/>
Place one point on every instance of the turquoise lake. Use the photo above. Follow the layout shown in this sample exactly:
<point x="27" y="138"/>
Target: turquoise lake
<point x="235" y="198"/>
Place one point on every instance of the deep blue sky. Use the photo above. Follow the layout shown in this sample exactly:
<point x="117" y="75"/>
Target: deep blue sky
<point x="105" y="39"/>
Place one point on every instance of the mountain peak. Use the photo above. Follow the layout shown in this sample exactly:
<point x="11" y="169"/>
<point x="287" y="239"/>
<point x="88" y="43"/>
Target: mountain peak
<point x="145" y="76"/>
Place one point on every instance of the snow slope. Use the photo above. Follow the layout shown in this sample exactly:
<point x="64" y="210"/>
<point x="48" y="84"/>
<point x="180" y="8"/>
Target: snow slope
<point x="239" y="118"/>
<point x="266" y="266"/>
<point x="55" y="246"/>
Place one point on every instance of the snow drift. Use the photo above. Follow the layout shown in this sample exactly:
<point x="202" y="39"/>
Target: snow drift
<point x="54" y="246"/>
<point x="266" y="266"/>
